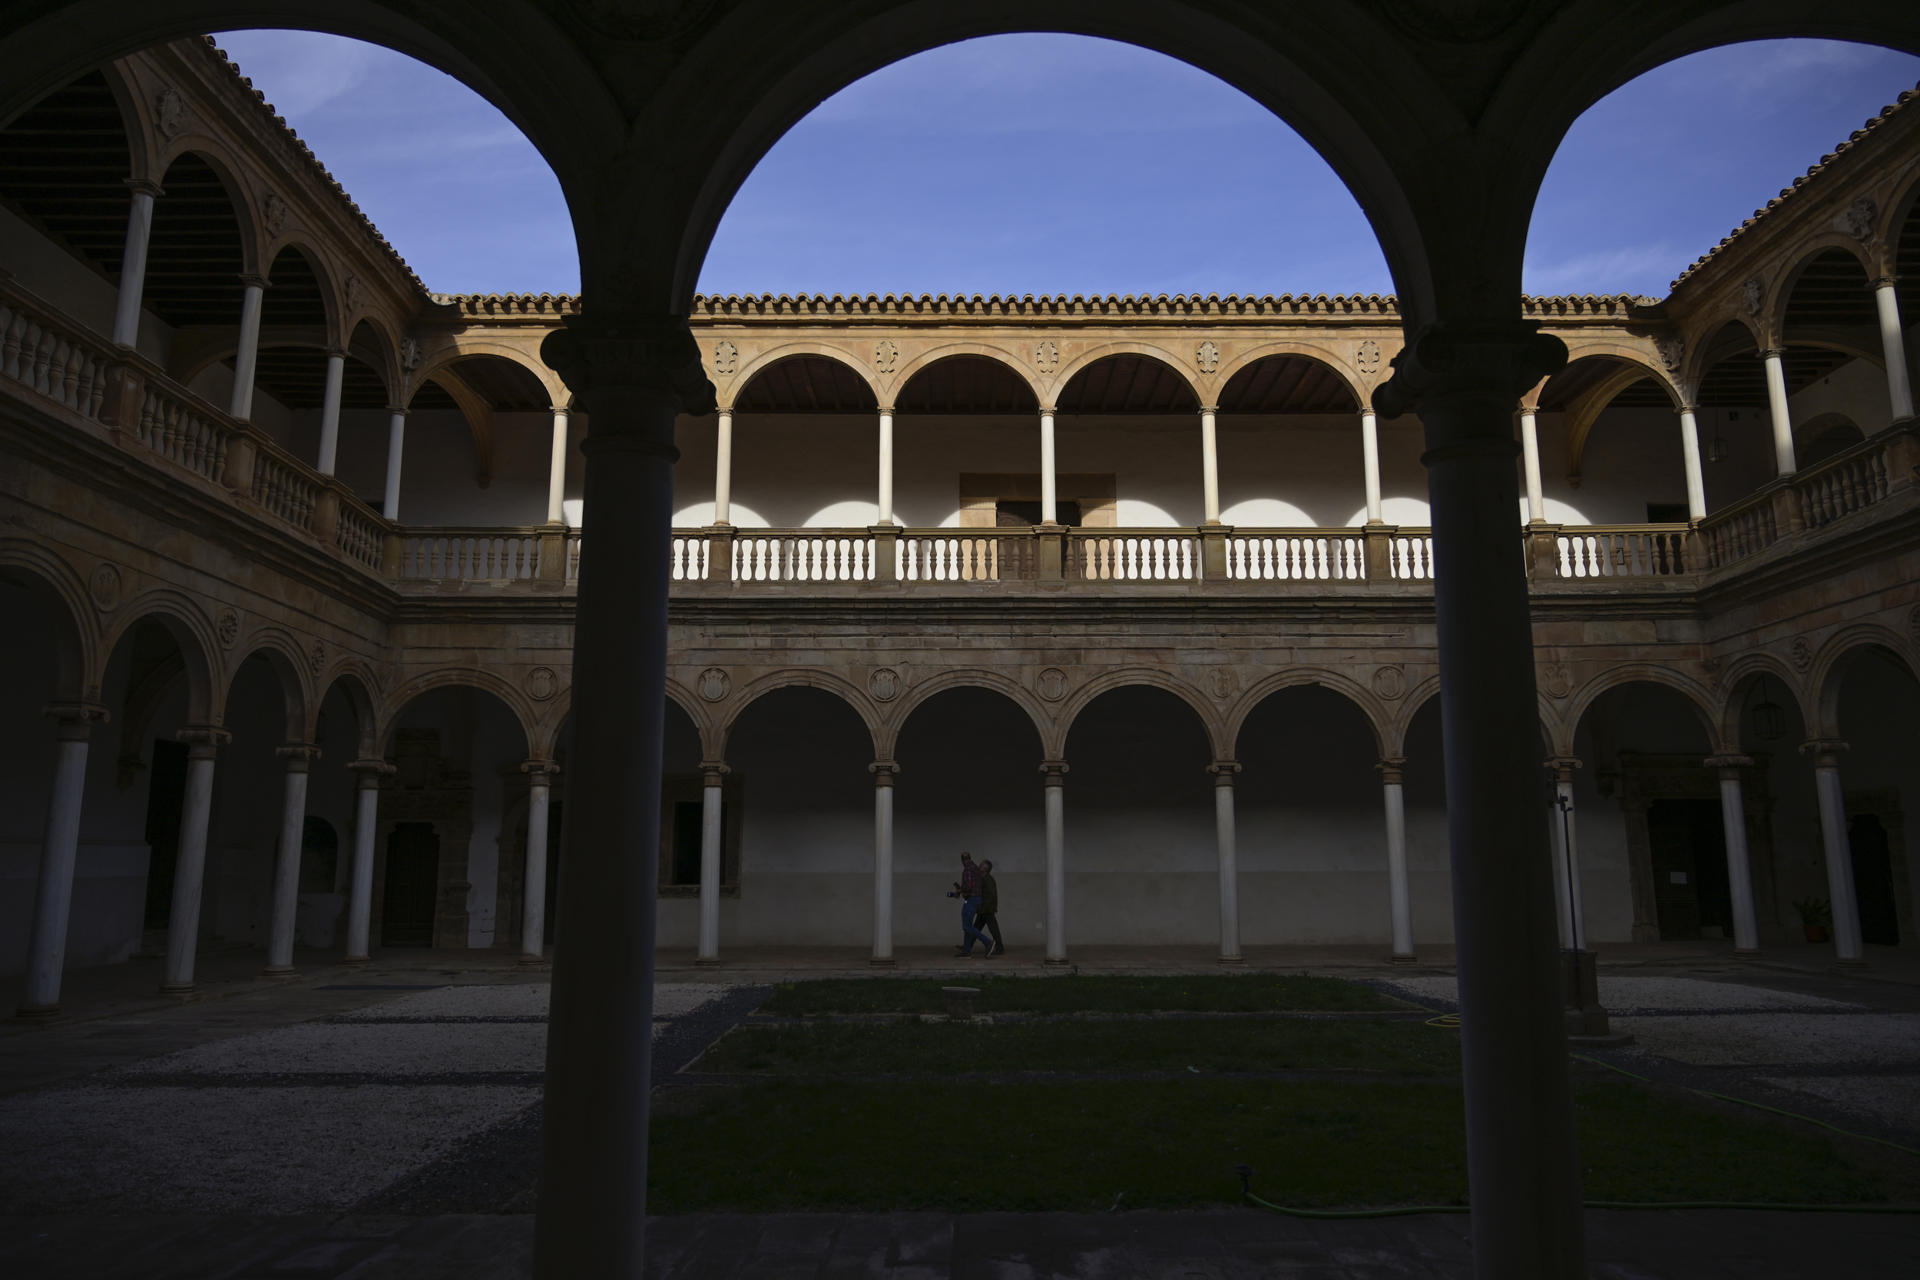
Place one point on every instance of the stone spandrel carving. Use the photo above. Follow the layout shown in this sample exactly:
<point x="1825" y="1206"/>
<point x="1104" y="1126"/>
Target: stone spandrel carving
<point x="1046" y="356"/>
<point x="1754" y="292"/>
<point x="1369" y="357"/>
<point x="542" y="683"/>
<point x="1673" y="351"/>
<point x="1556" y="680"/>
<point x="1859" y="218"/>
<point x="1389" y="682"/>
<point x="170" y="112"/>
<point x="1221" y="681"/>
<point x="317" y="657"/>
<point x="726" y="357"/>
<point x="227" y="628"/>
<point x="884" y="684"/>
<point x="1208" y="356"/>
<point x="1800" y="653"/>
<point x="411" y="353"/>
<point x="714" y="684"/>
<point x="273" y="213"/>
<point x="104" y="587"/>
<point x="1053" y="684"/>
<point x="885" y="355"/>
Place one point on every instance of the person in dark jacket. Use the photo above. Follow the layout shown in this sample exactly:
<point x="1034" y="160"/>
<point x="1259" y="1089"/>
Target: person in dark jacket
<point x="967" y="889"/>
<point x="987" y="919"/>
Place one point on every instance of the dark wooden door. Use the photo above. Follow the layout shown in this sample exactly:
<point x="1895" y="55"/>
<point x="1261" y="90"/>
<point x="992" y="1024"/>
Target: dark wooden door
<point x="166" y="795"/>
<point x="1873" y="880"/>
<point x="1689" y="852"/>
<point x="412" y="885"/>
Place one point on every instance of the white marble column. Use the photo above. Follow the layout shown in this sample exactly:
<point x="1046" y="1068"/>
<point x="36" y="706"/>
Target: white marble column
<point x="1893" y="344"/>
<point x="1530" y="459"/>
<point x="330" y="411"/>
<point x="59" y="852"/>
<point x="712" y="829"/>
<point x="533" y="883"/>
<point x="1209" y="465"/>
<point x="1223" y="772"/>
<point x="557" y="469"/>
<point x="190" y="864"/>
<point x="1690" y="459"/>
<point x="1566" y="856"/>
<point x="883" y="775"/>
<point x="1779" y="414"/>
<point x="723" y="468"/>
<point x="133" y="263"/>
<point x="368" y="774"/>
<point x="1733" y="820"/>
<point x="1839" y="853"/>
<point x="1370" y="461"/>
<point x="246" y="353"/>
<point x="1399" y="899"/>
<point x="285" y="904"/>
<point x="396" y="450"/>
<point x="1054" y="780"/>
<point x="885" y="503"/>
<point x="1048" y="505"/>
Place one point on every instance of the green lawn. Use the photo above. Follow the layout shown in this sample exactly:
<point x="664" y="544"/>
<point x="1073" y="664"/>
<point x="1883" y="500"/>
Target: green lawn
<point x="1130" y="1045"/>
<point x="1203" y="993"/>
<point x="819" y="1145"/>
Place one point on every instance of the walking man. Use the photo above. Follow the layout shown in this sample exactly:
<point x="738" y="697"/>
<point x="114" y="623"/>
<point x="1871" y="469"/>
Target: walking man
<point x="987" y="919"/>
<point x="967" y="888"/>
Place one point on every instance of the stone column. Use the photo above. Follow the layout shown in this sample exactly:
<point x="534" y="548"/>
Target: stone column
<point x="557" y="469"/>
<point x="1223" y="772"/>
<point x="1048" y="505"/>
<point x="712" y="815"/>
<point x="133" y="262"/>
<point x="59" y="851"/>
<point x="330" y="411"/>
<point x="246" y="354"/>
<point x="1370" y="460"/>
<point x="1893" y="343"/>
<point x="286" y="861"/>
<point x="1399" y="900"/>
<point x="1569" y="905"/>
<point x="189" y="868"/>
<point x="396" y="444"/>
<point x="366" y="814"/>
<point x="1778" y="412"/>
<point x="1209" y="466"/>
<point x="1053" y="777"/>
<point x="1690" y="458"/>
<point x="630" y="372"/>
<point x="1839" y="854"/>
<point x="533" y="884"/>
<point x="885" y="502"/>
<point x="1530" y="460"/>
<point x="1465" y="376"/>
<point x="723" y="467"/>
<point x="883" y="774"/>
<point x="1733" y="817"/>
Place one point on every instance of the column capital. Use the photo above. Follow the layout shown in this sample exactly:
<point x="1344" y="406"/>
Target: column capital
<point x="1686" y="407"/>
<point x="203" y="740"/>
<point x="248" y="280"/>
<point x="1047" y="411"/>
<point x="712" y="771"/>
<point x="75" y="720"/>
<point x="560" y="410"/>
<point x="1771" y="353"/>
<point x="1562" y="767"/>
<point x="1885" y="282"/>
<point x="298" y="755"/>
<point x="1825" y="751"/>
<point x="145" y="187"/>
<point x="885" y="410"/>
<point x="371" y="772"/>
<point x="1469" y="362"/>
<point x="1223" y="771"/>
<point x="1728" y="763"/>
<point x="1392" y="769"/>
<point x="883" y="771"/>
<point x="614" y="352"/>
<point x="539" y="771"/>
<point x="397" y="411"/>
<point x="1053" y="773"/>
<point x="1209" y="409"/>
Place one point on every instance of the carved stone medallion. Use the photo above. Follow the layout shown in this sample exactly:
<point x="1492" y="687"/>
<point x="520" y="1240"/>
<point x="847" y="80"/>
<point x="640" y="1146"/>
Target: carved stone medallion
<point x="1046" y="356"/>
<point x="1369" y="357"/>
<point x="884" y="684"/>
<point x="726" y="357"/>
<point x="317" y="657"/>
<point x="170" y="112"/>
<point x="1053" y="684"/>
<point x="351" y="287"/>
<point x="1389" y="682"/>
<point x="714" y="684"/>
<point x="226" y="628"/>
<point x="885" y="354"/>
<point x="1208" y="356"/>
<point x="1859" y="217"/>
<point x="411" y="353"/>
<point x="1754" y="292"/>
<point x="1221" y="680"/>
<point x="1556" y="680"/>
<point x="542" y="683"/>
<point x="104" y="587"/>
<point x="273" y="213"/>
<point x="1800" y="653"/>
<point x="1672" y="351"/>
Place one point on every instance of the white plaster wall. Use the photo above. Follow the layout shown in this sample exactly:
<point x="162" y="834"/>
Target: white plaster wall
<point x="1857" y="388"/>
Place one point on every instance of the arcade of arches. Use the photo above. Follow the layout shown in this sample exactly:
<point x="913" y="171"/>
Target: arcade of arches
<point x="1152" y="600"/>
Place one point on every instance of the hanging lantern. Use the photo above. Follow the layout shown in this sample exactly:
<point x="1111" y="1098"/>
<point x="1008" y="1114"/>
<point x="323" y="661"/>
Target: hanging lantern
<point x="1769" y="717"/>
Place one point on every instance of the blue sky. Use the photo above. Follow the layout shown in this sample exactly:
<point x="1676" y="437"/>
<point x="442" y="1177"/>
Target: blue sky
<point x="1059" y="164"/>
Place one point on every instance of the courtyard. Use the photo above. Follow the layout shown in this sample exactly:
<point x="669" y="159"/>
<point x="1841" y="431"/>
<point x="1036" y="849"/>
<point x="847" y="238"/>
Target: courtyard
<point x="814" y="1119"/>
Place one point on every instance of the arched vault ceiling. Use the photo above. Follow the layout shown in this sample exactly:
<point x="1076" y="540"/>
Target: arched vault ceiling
<point x="806" y="384"/>
<point x="1287" y="384"/>
<point x="63" y="168"/>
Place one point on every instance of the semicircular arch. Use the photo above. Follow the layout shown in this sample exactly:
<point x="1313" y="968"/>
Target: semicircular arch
<point x="1108" y="681"/>
<point x="1305" y="677"/>
<point x="1064" y="376"/>
<point x="290" y="667"/>
<point x="395" y="704"/>
<point x="888" y="739"/>
<point x="947" y="351"/>
<point x="227" y="169"/>
<point x="181" y="615"/>
<point x="761" y="361"/>
<point x="1696" y="693"/>
<point x="1333" y="361"/>
<point x="797" y="677"/>
<point x="1730" y="705"/>
<point x="1824" y="677"/>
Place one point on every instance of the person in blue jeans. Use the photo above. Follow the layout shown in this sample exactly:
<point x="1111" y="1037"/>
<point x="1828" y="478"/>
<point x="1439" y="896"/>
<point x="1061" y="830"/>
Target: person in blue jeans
<point x="967" y="889"/>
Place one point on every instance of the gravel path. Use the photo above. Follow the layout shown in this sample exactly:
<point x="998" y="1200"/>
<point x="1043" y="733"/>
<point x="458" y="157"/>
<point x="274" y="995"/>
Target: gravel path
<point x="1649" y="995"/>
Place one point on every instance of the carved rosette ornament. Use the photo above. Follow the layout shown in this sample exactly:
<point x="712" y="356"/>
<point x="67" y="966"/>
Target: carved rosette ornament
<point x="714" y="684"/>
<point x="1208" y="356"/>
<point x="1800" y="653"/>
<point x="1053" y="684"/>
<point x="885" y="355"/>
<point x="1389" y="682"/>
<point x="726" y="357"/>
<point x="226" y="628"/>
<point x="104" y="587"/>
<point x="1368" y="357"/>
<point x="884" y="684"/>
<point x="1046" y="356"/>
<point x="316" y="657"/>
<point x="542" y="683"/>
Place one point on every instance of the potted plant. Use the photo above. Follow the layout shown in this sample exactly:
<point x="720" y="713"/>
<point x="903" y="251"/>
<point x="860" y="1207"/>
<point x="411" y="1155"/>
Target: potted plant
<point x="1816" y="917"/>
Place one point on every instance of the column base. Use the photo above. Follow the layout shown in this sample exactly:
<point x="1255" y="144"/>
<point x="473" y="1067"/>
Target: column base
<point x="278" y="971"/>
<point x="706" y="962"/>
<point x="882" y="962"/>
<point x="533" y="962"/>
<point x="176" y="988"/>
<point x="1747" y="953"/>
<point x="358" y="960"/>
<point x="37" y="1012"/>
<point x="1849" y="964"/>
<point x="1232" y="960"/>
<point x="1055" y="962"/>
<point x="1397" y="958"/>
